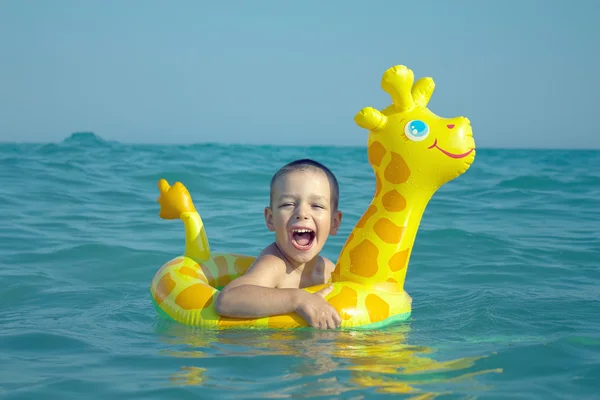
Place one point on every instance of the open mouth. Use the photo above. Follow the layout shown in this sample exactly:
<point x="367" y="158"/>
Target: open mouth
<point x="302" y="239"/>
<point x="453" y="155"/>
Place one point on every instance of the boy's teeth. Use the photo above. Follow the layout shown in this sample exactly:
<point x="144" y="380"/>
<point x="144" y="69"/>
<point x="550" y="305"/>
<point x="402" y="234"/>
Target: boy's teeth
<point x="301" y="230"/>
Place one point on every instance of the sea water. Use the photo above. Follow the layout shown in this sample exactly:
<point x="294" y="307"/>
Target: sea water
<point x="504" y="276"/>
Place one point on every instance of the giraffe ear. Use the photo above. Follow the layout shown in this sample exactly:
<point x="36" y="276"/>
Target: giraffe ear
<point x="371" y="119"/>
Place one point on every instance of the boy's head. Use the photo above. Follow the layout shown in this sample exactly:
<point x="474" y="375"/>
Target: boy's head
<point x="303" y="209"/>
<point x="308" y="165"/>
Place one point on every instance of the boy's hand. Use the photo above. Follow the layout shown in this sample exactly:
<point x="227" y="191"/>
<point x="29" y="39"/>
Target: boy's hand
<point x="317" y="311"/>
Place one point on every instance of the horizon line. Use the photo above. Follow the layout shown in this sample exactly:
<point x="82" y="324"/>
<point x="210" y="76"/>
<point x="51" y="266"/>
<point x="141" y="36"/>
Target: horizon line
<point x="241" y="143"/>
<point x="208" y="143"/>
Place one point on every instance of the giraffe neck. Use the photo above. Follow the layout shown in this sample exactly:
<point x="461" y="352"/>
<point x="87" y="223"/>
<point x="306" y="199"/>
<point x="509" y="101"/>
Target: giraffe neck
<point x="379" y="247"/>
<point x="196" y="242"/>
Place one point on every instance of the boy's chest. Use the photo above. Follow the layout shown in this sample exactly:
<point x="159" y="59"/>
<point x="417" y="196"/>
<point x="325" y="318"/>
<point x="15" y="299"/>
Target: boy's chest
<point x="316" y="276"/>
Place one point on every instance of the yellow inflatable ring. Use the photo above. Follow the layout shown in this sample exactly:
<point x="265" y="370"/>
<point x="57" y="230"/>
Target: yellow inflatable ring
<point x="412" y="151"/>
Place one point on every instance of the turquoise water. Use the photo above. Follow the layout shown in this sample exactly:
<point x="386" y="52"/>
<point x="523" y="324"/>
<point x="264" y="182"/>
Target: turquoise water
<point x="504" y="276"/>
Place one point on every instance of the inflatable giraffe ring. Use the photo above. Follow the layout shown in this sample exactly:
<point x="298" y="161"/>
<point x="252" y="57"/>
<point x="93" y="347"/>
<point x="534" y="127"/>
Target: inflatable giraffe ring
<point x="412" y="151"/>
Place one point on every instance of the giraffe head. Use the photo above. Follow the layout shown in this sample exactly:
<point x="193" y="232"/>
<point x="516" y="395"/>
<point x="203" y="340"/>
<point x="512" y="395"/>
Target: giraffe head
<point x="430" y="149"/>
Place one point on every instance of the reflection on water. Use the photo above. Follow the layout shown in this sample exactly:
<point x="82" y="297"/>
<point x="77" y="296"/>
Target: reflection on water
<point x="189" y="376"/>
<point x="316" y="363"/>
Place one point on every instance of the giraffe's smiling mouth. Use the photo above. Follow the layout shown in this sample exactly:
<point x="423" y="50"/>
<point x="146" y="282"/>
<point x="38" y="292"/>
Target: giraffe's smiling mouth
<point x="453" y="155"/>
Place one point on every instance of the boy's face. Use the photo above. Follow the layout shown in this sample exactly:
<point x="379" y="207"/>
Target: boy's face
<point x="301" y="214"/>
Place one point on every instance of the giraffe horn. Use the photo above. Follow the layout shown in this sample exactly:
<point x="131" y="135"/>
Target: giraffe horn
<point x="397" y="82"/>
<point x="422" y="91"/>
<point x="371" y="119"/>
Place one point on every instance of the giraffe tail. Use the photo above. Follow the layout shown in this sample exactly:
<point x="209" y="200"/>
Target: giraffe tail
<point x="176" y="202"/>
<point x="173" y="200"/>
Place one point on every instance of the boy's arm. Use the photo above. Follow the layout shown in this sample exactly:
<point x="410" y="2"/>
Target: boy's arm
<point x="254" y="295"/>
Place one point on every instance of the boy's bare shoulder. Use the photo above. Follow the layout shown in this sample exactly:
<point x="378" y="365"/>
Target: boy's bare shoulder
<point x="270" y="258"/>
<point x="271" y="250"/>
<point x="328" y="267"/>
<point x="266" y="270"/>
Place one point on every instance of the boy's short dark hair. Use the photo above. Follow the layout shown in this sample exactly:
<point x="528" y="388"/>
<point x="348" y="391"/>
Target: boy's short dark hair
<point x="306" y="164"/>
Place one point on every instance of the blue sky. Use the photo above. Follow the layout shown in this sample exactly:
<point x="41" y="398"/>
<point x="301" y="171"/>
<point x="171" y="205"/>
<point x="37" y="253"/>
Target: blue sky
<point x="275" y="72"/>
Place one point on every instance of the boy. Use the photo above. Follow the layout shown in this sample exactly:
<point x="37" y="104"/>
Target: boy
<point x="303" y="212"/>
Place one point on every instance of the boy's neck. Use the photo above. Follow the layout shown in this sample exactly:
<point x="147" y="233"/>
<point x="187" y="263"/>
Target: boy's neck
<point x="295" y="265"/>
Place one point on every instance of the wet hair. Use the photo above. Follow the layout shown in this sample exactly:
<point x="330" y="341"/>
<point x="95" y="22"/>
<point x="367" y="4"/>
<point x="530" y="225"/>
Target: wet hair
<point x="306" y="164"/>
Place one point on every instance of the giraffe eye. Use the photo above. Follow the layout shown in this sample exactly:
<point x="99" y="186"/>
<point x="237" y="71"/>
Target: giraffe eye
<point x="416" y="130"/>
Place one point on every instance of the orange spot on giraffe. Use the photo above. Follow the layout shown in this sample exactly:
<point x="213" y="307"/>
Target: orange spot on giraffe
<point x="397" y="170"/>
<point x="363" y="259"/>
<point x="388" y="231"/>
<point x="377" y="307"/>
<point x="164" y="287"/>
<point x="195" y="297"/>
<point x="347" y="298"/>
<point x="368" y="214"/>
<point x="375" y="153"/>
<point x="174" y="261"/>
<point x="398" y="260"/>
<point x="187" y="271"/>
<point x="193" y="273"/>
<point x="378" y="185"/>
<point x="242" y="264"/>
<point x="393" y="201"/>
<point x="392" y="280"/>
<point x="222" y="271"/>
<point x="210" y="279"/>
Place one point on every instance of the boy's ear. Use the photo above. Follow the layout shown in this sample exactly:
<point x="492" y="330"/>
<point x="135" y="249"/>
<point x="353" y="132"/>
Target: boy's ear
<point x="269" y="219"/>
<point x="335" y="223"/>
